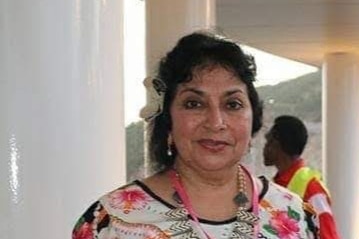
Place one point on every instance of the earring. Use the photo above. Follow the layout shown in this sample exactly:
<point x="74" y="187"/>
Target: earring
<point x="169" y="150"/>
<point x="169" y="144"/>
<point x="249" y="150"/>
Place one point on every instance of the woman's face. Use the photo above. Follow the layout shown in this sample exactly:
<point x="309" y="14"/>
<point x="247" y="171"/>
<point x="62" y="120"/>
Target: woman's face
<point x="211" y="120"/>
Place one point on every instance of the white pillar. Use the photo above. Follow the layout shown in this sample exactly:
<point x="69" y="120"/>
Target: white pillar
<point x="341" y="138"/>
<point x="61" y="106"/>
<point x="168" y="20"/>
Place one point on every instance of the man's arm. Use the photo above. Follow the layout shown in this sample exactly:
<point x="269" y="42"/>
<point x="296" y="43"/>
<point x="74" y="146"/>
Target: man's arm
<point x="317" y="196"/>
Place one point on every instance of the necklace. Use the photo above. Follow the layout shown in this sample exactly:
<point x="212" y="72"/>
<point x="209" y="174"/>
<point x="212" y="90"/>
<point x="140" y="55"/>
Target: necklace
<point x="245" y="226"/>
<point x="241" y="199"/>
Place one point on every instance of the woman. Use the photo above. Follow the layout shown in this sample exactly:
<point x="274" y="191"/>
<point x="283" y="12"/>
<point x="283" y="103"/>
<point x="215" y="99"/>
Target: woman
<point x="201" y="122"/>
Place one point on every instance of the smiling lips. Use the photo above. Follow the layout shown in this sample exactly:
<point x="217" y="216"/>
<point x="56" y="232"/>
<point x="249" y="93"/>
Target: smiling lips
<point x="214" y="146"/>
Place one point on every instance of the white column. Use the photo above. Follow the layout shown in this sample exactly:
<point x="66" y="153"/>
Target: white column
<point x="61" y="106"/>
<point x="341" y="138"/>
<point x="169" y="20"/>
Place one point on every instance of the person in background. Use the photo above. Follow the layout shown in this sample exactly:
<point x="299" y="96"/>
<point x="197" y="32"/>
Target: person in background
<point x="285" y="142"/>
<point x="202" y="114"/>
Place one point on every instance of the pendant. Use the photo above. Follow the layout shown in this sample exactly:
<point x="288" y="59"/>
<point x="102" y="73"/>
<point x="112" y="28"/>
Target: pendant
<point x="241" y="199"/>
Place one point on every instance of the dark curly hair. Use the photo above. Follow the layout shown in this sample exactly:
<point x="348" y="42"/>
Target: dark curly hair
<point x="198" y="50"/>
<point x="291" y="134"/>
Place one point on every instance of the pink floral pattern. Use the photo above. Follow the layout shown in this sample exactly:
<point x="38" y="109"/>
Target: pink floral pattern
<point x="285" y="227"/>
<point x="129" y="200"/>
<point x="83" y="231"/>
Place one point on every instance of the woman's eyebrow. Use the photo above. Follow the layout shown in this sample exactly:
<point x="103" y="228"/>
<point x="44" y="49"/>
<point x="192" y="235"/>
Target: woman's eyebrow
<point x="232" y="92"/>
<point x="202" y="93"/>
<point x="193" y="90"/>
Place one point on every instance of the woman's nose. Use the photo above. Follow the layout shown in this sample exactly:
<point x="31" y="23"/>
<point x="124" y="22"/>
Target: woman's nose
<point x="216" y="119"/>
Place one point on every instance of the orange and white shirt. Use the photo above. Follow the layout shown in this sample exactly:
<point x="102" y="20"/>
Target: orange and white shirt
<point x="315" y="193"/>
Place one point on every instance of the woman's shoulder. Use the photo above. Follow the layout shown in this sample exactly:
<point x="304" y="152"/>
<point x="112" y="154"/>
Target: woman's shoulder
<point x="95" y="215"/>
<point x="130" y="199"/>
<point x="132" y="202"/>
<point x="132" y="186"/>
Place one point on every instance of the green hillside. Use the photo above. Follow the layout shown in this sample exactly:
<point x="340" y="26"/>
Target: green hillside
<point x="301" y="97"/>
<point x="134" y="150"/>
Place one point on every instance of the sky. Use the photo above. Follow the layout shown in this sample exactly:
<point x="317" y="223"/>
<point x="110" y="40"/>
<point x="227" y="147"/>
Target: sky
<point x="271" y="69"/>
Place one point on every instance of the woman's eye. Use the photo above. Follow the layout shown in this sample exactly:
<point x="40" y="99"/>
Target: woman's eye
<point x="192" y="104"/>
<point x="234" y="105"/>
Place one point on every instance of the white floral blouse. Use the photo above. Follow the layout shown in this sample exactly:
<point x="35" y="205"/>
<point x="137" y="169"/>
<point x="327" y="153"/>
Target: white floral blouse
<point x="135" y="212"/>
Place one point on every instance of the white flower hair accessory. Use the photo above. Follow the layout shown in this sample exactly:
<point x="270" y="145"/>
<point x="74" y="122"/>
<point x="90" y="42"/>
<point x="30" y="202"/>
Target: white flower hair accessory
<point x="156" y="90"/>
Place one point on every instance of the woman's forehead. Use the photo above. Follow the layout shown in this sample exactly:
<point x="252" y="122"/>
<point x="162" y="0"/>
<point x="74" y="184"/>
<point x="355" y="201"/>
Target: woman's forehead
<point x="217" y="75"/>
<point x="212" y="69"/>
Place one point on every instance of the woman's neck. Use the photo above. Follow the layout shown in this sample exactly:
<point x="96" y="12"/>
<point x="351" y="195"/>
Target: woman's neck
<point x="206" y="189"/>
<point x="205" y="179"/>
